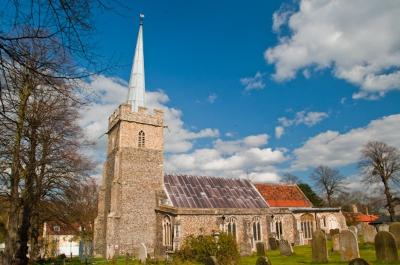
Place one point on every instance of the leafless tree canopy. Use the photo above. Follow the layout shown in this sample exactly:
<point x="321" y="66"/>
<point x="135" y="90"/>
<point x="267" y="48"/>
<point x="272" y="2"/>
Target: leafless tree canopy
<point x="290" y="178"/>
<point x="329" y="181"/>
<point x="380" y="163"/>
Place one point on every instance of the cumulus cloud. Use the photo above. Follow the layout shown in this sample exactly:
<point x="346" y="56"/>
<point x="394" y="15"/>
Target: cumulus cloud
<point x="243" y="158"/>
<point x="336" y="149"/>
<point x="358" y="40"/>
<point x="255" y="82"/>
<point x="108" y="93"/>
<point x="309" y="118"/>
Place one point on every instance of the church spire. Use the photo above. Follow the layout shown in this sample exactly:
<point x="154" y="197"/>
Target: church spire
<point x="136" y="93"/>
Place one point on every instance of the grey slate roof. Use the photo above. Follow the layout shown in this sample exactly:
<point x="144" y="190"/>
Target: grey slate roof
<point x="211" y="192"/>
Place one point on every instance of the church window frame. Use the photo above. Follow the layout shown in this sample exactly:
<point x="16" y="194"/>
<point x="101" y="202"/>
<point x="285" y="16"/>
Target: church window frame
<point x="307" y="226"/>
<point x="141" y="139"/>
<point x="257" y="229"/>
<point x="277" y="227"/>
<point x="231" y="227"/>
<point x="167" y="231"/>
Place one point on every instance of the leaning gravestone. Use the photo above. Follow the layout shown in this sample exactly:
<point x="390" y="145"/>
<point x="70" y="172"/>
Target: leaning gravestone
<point x="335" y="243"/>
<point x="348" y="245"/>
<point x="385" y="247"/>
<point x="142" y="253"/>
<point x="358" y="261"/>
<point x="273" y="243"/>
<point x="369" y="233"/>
<point x="285" y="248"/>
<point x="394" y="228"/>
<point x="319" y="249"/>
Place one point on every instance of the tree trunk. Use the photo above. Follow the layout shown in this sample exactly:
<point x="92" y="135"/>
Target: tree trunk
<point x="389" y="199"/>
<point x="14" y="210"/>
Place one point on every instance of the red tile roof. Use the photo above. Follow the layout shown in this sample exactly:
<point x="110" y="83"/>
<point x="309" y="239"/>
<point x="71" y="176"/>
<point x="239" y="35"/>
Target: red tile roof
<point x="360" y="217"/>
<point x="211" y="192"/>
<point x="283" y="195"/>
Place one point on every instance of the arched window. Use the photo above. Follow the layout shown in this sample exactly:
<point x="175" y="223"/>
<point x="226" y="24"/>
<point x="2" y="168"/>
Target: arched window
<point x="141" y="139"/>
<point x="167" y="232"/>
<point x="256" y="229"/>
<point x="231" y="226"/>
<point x="277" y="227"/>
<point x="307" y="225"/>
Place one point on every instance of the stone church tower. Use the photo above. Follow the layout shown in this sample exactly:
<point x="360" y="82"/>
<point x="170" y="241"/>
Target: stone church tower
<point x="133" y="172"/>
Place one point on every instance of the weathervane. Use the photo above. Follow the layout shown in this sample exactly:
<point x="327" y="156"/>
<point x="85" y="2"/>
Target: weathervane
<point x="141" y="16"/>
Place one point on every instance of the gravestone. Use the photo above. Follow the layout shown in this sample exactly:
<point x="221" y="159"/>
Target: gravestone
<point x="273" y="243"/>
<point x="348" y="245"/>
<point x="211" y="260"/>
<point x="263" y="261"/>
<point x="369" y="233"/>
<point x="318" y="245"/>
<point x="385" y="247"/>
<point x="142" y="253"/>
<point x="354" y="229"/>
<point x="358" y="261"/>
<point x="260" y="247"/>
<point x="394" y="228"/>
<point x="285" y="248"/>
<point x="334" y="231"/>
<point x="335" y="243"/>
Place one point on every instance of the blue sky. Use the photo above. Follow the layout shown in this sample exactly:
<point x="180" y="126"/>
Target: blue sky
<point x="311" y="68"/>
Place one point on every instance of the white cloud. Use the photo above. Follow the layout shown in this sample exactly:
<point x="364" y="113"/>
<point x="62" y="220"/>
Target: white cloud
<point x="253" y="83"/>
<point x="279" y="131"/>
<point x="212" y="97"/>
<point x="243" y="158"/>
<point x="332" y="148"/>
<point x="309" y="118"/>
<point x="359" y="40"/>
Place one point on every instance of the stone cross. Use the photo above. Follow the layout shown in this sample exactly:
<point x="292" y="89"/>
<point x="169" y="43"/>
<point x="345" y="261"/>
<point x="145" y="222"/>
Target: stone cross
<point x="385" y="247"/>
<point x="394" y="228"/>
<point x="285" y="248"/>
<point x="319" y="249"/>
<point x="348" y="245"/>
<point x="142" y="253"/>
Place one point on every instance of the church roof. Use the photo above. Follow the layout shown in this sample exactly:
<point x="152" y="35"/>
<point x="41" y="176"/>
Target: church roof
<point x="212" y="192"/>
<point x="283" y="195"/>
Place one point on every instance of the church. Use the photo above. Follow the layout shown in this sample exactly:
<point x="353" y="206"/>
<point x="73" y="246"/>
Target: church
<point x="140" y="207"/>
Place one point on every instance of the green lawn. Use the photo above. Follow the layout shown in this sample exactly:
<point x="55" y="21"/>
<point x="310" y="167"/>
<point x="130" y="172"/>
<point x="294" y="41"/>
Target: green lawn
<point x="302" y="256"/>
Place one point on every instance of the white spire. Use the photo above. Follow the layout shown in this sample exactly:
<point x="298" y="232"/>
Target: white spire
<point x="136" y="91"/>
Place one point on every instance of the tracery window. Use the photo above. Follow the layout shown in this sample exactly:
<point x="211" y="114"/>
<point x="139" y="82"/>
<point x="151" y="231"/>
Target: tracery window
<point x="256" y="229"/>
<point x="141" y="139"/>
<point x="231" y="226"/>
<point x="277" y="227"/>
<point x="167" y="231"/>
<point x="307" y="226"/>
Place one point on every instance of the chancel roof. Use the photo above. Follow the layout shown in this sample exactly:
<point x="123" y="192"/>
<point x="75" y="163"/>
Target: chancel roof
<point x="283" y="195"/>
<point x="211" y="192"/>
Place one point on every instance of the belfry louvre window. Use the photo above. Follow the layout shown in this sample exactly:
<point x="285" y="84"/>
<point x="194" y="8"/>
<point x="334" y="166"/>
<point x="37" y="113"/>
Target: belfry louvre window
<point x="141" y="141"/>
<point x="231" y="225"/>
<point x="256" y="229"/>
<point x="167" y="232"/>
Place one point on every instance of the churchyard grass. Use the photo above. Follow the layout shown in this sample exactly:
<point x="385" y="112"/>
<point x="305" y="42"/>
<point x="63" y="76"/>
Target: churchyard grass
<point x="302" y="256"/>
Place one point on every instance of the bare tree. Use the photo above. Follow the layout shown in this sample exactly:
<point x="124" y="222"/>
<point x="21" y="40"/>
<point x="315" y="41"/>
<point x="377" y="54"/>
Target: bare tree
<point x="380" y="163"/>
<point x="290" y="178"/>
<point x="329" y="181"/>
